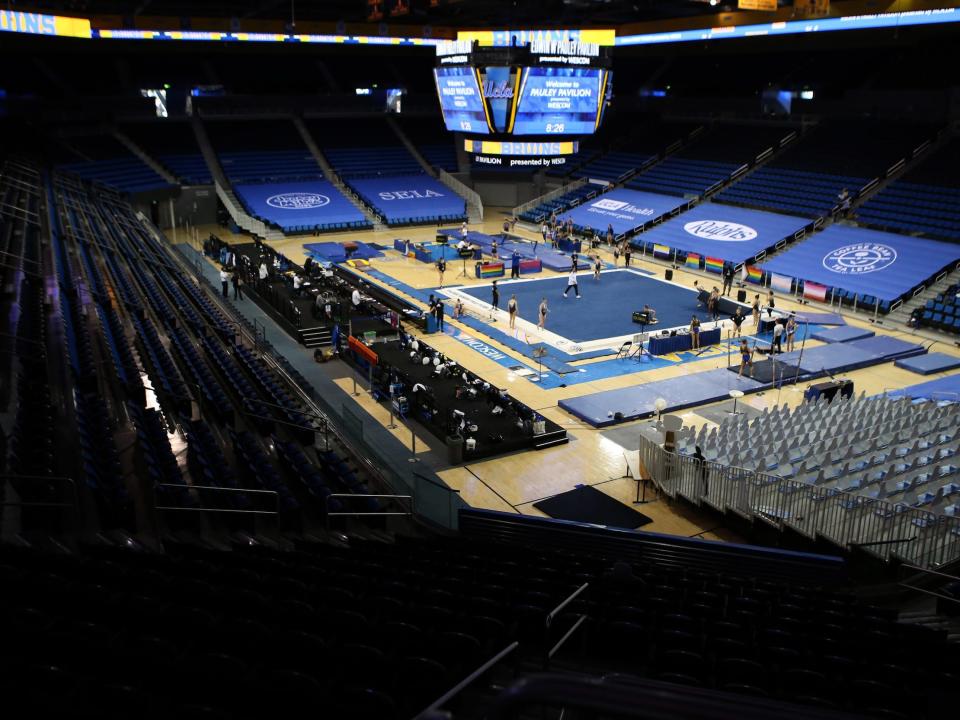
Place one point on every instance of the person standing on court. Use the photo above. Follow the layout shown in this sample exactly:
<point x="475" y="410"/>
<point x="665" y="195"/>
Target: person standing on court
<point x="544" y="229"/>
<point x="746" y="358"/>
<point x="494" y="300"/>
<point x="441" y="268"/>
<point x="610" y="234"/>
<point x="714" y="303"/>
<point x="512" y="310"/>
<point x="755" y="309"/>
<point x="791" y="331"/>
<point x="464" y="230"/>
<point x="770" y="304"/>
<point x="438" y="313"/>
<point x="694" y="333"/>
<point x="542" y="313"/>
<point x="627" y="251"/>
<point x="224" y="279"/>
<point x="515" y="264"/>
<point x="737" y="321"/>
<point x="572" y="282"/>
<point x="727" y="278"/>
<point x="777" y="337"/>
<point x="597" y="264"/>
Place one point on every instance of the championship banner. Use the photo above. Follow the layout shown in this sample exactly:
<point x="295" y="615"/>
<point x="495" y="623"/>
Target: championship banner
<point x="814" y="291"/>
<point x="781" y="282"/>
<point x="693" y="261"/>
<point x="754" y="274"/>
<point x="714" y="265"/>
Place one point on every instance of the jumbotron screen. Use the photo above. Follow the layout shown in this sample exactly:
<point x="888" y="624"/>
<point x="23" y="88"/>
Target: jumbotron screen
<point x="461" y="101"/>
<point x="560" y="100"/>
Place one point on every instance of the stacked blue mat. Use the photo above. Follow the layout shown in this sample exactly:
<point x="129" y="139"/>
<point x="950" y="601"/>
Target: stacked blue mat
<point x="930" y="363"/>
<point x="300" y="207"/>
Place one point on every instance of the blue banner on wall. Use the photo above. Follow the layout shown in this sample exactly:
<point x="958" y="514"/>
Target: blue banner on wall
<point x="403" y="198"/>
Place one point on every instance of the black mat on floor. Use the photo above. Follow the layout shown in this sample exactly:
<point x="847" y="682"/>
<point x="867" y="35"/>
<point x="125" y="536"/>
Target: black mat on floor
<point x="588" y="505"/>
<point x="763" y="371"/>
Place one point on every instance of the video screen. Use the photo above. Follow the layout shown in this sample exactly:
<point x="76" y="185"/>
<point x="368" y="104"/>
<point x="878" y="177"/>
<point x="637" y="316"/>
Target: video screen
<point x="559" y="101"/>
<point x="460" y="100"/>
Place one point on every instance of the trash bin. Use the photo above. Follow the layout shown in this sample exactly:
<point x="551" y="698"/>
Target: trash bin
<point x="454" y="449"/>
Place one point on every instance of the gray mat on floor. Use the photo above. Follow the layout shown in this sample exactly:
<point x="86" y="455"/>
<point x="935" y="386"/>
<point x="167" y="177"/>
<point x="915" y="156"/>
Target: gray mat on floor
<point x="716" y="413"/>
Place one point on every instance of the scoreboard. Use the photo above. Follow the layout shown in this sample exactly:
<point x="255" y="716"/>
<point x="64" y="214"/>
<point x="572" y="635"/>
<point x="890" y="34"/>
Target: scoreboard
<point x="543" y="89"/>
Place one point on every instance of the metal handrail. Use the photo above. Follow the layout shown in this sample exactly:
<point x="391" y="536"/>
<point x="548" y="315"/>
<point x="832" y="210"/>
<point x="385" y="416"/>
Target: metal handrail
<point x="44" y="478"/>
<point x="466" y="682"/>
<point x="347" y="496"/>
<point x="220" y="489"/>
<point x="559" y="608"/>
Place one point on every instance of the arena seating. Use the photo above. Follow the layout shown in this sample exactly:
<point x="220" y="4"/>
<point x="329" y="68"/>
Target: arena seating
<point x="633" y="143"/>
<point x="253" y="151"/>
<point x="108" y="162"/>
<point x="172" y="144"/>
<point x="380" y="630"/>
<point x="559" y="204"/>
<point x="429" y="136"/>
<point x="925" y="200"/>
<point x="711" y="159"/>
<point x="806" y="179"/>
<point x="362" y="147"/>
<point x="943" y="312"/>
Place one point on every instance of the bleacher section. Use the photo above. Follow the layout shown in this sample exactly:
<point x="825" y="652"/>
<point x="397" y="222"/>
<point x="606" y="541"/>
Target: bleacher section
<point x="362" y="147"/>
<point x="104" y="160"/>
<point x="301" y="207"/>
<point x="943" y="312"/>
<point x="559" y="204"/>
<point x="431" y="139"/>
<point x="925" y="200"/>
<point x="880" y="448"/>
<point x="410" y="199"/>
<point x="174" y="145"/>
<point x="711" y="159"/>
<point x="806" y="179"/>
<point x="253" y="151"/>
<point x="381" y="630"/>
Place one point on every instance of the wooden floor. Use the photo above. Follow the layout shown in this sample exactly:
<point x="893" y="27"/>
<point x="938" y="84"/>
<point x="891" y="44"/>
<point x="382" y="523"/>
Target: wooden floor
<point x="514" y="482"/>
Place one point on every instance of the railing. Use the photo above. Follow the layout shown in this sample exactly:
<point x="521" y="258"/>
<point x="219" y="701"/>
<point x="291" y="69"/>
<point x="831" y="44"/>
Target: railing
<point x="214" y="488"/>
<point x="431" y="712"/>
<point x="372" y="513"/>
<point x="548" y="651"/>
<point x="844" y="518"/>
<point x="925" y="591"/>
<point x="74" y="503"/>
<point x="471" y="196"/>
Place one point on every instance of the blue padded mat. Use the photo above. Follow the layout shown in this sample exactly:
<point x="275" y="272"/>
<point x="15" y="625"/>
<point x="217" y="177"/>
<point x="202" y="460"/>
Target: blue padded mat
<point x="833" y="358"/>
<point x="945" y="388"/>
<point x="930" y="363"/>
<point x="864" y="261"/>
<point x="402" y="198"/>
<point x="843" y="333"/>
<point x="549" y="258"/>
<point x="725" y="232"/>
<point x="298" y="204"/>
<point x="605" y="308"/>
<point x="334" y="252"/>
<point x="820" y="318"/>
<point x="626" y="210"/>
<point x="888" y="348"/>
<point x="636" y="402"/>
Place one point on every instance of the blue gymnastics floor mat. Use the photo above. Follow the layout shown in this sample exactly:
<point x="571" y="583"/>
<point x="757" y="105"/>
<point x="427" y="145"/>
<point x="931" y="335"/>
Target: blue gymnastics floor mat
<point x="886" y="347"/>
<point x="929" y="364"/>
<point x="945" y="388"/>
<point x="600" y="409"/>
<point x="843" y="333"/>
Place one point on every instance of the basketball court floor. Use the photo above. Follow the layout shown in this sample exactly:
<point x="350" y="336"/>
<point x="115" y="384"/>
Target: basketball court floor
<point x="594" y="457"/>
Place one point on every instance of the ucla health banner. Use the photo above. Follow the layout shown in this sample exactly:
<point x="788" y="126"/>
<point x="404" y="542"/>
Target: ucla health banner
<point x="625" y="210"/>
<point x="402" y="198"/>
<point x="726" y="232"/>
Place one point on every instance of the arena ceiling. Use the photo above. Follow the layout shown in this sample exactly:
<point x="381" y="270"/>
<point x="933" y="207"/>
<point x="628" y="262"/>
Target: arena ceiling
<point x="436" y="12"/>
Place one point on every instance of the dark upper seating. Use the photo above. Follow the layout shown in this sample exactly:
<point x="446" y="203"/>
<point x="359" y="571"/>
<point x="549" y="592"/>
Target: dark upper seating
<point x="262" y="151"/>
<point x="709" y="160"/>
<point x="567" y="200"/>
<point x="362" y="147"/>
<point x="806" y="179"/>
<point x="925" y="199"/>
<point x="104" y="159"/>
<point x="432" y="140"/>
<point x="172" y="144"/>
<point x="632" y="143"/>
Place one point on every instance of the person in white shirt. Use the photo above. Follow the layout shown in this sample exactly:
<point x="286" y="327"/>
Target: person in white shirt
<point x="297" y="284"/>
<point x="224" y="279"/>
<point x="263" y="271"/>
<point x="355" y="298"/>
<point x="777" y="337"/>
<point x="463" y="230"/>
<point x="572" y="283"/>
